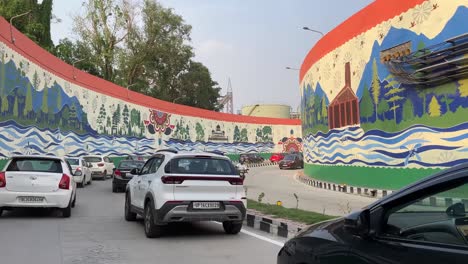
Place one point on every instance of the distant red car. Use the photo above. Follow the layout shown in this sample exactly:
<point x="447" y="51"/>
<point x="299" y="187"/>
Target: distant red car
<point x="276" y="157"/>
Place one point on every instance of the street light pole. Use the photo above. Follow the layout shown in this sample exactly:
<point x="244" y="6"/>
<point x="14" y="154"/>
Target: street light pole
<point x="313" y="30"/>
<point x="11" y="24"/>
<point x="73" y="66"/>
<point x="129" y="87"/>
<point x="293" y="69"/>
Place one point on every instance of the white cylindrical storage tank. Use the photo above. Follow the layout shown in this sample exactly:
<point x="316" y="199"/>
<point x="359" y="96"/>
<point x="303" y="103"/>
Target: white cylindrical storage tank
<point x="267" y="110"/>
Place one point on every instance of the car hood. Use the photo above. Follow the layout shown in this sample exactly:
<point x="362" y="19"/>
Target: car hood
<point x="325" y="230"/>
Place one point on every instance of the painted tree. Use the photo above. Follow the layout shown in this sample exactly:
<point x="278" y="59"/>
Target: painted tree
<point x="463" y="87"/>
<point x="243" y="135"/>
<point x="36" y="80"/>
<point x="59" y="99"/>
<point x="65" y="115"/>
<point x="5" y="105"/>
<point x="267" y="134"/>
<point x="15" y="107"/>
<point x="394" y="89"/>
<point x="45" y="104"/>
<point x="366" y="106"/>
<point x="324" y="111"/>
<point x="125" y="117"/>
<point x="108" y="125"/>
<point x="72" y="120"/>
<point x="434" y="107"/>
<point x="375" y="86"/>
<point x="382" y="108"/>
<point x="101" y="117"/>
<point x="200" y="132"/>
<point x="28" y="107"/>
<point x="408" y="110"/>
<point x="445" y="90"/>
<point x="237" y="136"/>
<point x="116" y="119"/>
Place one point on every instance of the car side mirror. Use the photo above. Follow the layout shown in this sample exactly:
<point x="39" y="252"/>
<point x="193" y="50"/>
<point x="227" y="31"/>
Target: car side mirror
<point x="78" y="173"/>
<point x="457" y="209"/>
<point x="358" y="223"/>
<point x="135" y="171"/>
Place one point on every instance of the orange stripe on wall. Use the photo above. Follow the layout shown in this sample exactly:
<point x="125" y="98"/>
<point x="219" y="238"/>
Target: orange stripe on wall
<point x="362" y="21"/>
<point x="34" y="53"/>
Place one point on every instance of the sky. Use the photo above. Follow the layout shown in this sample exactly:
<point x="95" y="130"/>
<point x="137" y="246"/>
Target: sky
<point x="250" y="42"/>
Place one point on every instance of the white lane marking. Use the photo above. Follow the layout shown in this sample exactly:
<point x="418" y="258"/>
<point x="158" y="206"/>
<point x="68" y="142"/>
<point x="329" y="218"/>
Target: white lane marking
<point x="280" y="244"/>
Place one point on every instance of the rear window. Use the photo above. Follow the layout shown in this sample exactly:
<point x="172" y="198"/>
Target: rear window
<point x="289" y="157"/>
<point x="34" y="164"/>
<point x="73" y="161"/>
<point x="196" y="165"/>
<point x="93" y="159"/>
<point x="131" y="165"/>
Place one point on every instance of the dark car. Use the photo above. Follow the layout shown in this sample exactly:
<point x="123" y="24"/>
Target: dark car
<point x="291" y="161"/>
<point x="426" y="222"/>
<point x="121" y="175"/>
<point x="137" y="157"/>
<point x="251" y="158"/>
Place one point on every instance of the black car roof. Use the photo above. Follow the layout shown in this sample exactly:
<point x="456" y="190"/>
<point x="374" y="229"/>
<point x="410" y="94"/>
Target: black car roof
<point x="439" y="177"/>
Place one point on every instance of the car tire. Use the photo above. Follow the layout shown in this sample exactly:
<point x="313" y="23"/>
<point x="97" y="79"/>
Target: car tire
<point x="74" y="202"/>
<point x="232" y="227"/>
<point x="1" y="211"/>
<point x="90" y="180"/>
<point x="129" y="215"/>
<point x="151" y="229"/>
<point x="66" y="212"/>
<point x="114" y="188"/>
<point x="105" y="176"/>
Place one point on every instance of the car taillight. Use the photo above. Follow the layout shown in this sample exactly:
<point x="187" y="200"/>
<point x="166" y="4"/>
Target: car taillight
<point x="64" y="182"/>
<point x="2" y="179"/>
<point x="118" y="173"/>
<point x="172" y="179"/>
<point x="236" y="181"/>
<point x="100" y="164"/>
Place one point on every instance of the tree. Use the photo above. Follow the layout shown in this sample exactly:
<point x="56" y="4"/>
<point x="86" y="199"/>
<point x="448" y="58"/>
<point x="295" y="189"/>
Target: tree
<point x="445" y="90"/>
<point x="72" y="120"/>
<point x="463" y="87"/>
<point x="101" y="117"/>
<point x="366" y="106"/>
<point x="434" y="107"/>
<point x="408" y="110"/>
<point x="36" y="80"/>
<point x="5" y="105"/>
<point x="267" y="134"/>
<point x="393" y="90"/>
<point x="375" y="86"/>
<point x="77" y="53"/>
<point x="125" y="116"/>
<point x="103" y="26"/>
<point x="243" y="135"/>
<point x="324" y="111"/>
<point x="15" y="107"/>
<point x="382" y="108"/>
<point x="36" y="24"/>
<point x="28" y="107"/>
<point x="116" y="119"/>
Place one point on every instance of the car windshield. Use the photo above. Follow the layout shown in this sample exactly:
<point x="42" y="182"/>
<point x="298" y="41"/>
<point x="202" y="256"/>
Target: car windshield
<point x="93" y="159"/>
<point x="35" y="164"/>
<point x="131" y="164"/>
<point x="73" y="161"/>
<point x="201" y="165"/>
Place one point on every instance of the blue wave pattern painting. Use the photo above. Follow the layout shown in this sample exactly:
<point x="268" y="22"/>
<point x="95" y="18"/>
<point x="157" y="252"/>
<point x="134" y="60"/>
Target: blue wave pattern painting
<point x="416" y="147"/>
<point x="236" y="147"/>
<point x="16" y="140"/>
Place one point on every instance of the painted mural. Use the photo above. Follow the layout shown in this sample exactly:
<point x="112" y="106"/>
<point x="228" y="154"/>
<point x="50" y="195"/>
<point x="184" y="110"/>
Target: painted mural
<point x="42" y="113"/>
<point x="359" y="115"/>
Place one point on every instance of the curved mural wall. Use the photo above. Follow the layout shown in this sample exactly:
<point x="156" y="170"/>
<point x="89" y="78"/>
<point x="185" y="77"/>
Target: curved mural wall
<point x="47" y="107"/>
<point x="385" y="94"/>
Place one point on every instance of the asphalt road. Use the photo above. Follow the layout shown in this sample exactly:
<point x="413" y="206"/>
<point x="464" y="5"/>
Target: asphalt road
<point x="281" y="185"/>
<point x="97" y="233"/>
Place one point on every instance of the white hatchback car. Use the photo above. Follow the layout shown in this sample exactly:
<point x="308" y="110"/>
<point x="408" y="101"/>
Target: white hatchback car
<point x="186" y="187"/>
<point x="101" y="167"/>
<point x="37" y="181"/>
<point x="81" y="170"/>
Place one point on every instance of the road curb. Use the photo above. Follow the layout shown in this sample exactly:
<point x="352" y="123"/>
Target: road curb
<point x="263" y="164"/>
<point x="368" y="192"/>
<point x="271" y="225"/>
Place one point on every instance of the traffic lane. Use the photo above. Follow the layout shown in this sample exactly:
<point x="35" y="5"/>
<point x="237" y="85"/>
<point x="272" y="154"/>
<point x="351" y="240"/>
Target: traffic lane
<point x="281" y="185"/>
<point x="97" y="233"/>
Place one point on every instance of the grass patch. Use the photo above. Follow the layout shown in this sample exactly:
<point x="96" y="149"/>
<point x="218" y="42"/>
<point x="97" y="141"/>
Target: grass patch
<point x="293" y="214"/>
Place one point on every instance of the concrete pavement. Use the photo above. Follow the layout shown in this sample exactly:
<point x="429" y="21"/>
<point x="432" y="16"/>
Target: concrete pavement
<point x="97" y="233"/>
<point x="281" y="185"/>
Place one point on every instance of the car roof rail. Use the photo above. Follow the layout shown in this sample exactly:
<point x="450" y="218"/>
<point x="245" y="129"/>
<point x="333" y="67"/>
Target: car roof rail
<point x="217" y="152"/>
<point x="167" y="150"/>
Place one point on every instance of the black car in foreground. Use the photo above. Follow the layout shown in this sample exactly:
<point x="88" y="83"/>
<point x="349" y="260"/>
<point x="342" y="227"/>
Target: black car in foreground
<point x="121" y="175"/>
<point x="426" y="222"/>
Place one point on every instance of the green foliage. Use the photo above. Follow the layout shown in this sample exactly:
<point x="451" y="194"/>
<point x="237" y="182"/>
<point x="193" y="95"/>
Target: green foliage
<point x="200" y="132"/>
<point x="382" y="108"/>
<point x="394" y="89"/>
<point x="28" y="106"/>
<point x="237" y="136"/>
<point x="36" y="24"/>
<point x="324" y="109"/>
<point x="15" y="108"/>
<point x="5" y="104"/>
<point x="408" y="110"/>
<point x="366" y="106"/>
<point x="260" y="197"/>
<point x="445" y="90"/>
<point x="45" y="98"/>
<point x="78" y="54"/>
<point x="463" y="87"/>
<point x="243" y="135"/>
<point x="264" y="134"/>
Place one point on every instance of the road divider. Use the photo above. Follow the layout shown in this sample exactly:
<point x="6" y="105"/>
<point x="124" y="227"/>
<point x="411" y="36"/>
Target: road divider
<point x="271" y="225"/>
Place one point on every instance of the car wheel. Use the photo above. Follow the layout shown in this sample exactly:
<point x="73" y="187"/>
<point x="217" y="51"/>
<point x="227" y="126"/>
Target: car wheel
<point x="129" y="215"/>
<point x="151" y="229"/>
<point x="74" y="202"/>
<point x="231" y="227"/>
<point x="90" y="180"/>
<point x="105" y="176"/>
<point x="1" y="211"/>
<point x="114" y="188"/>
<point x="66" y="212"/>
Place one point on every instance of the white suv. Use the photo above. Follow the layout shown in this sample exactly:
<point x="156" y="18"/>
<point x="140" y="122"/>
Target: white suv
<point x="101" y="166"/>
<point x="186" y="187"/>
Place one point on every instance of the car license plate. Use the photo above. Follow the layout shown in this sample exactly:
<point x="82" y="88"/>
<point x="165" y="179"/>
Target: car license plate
<point x="205" y="205"/>
<point x="30" y="199"/>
